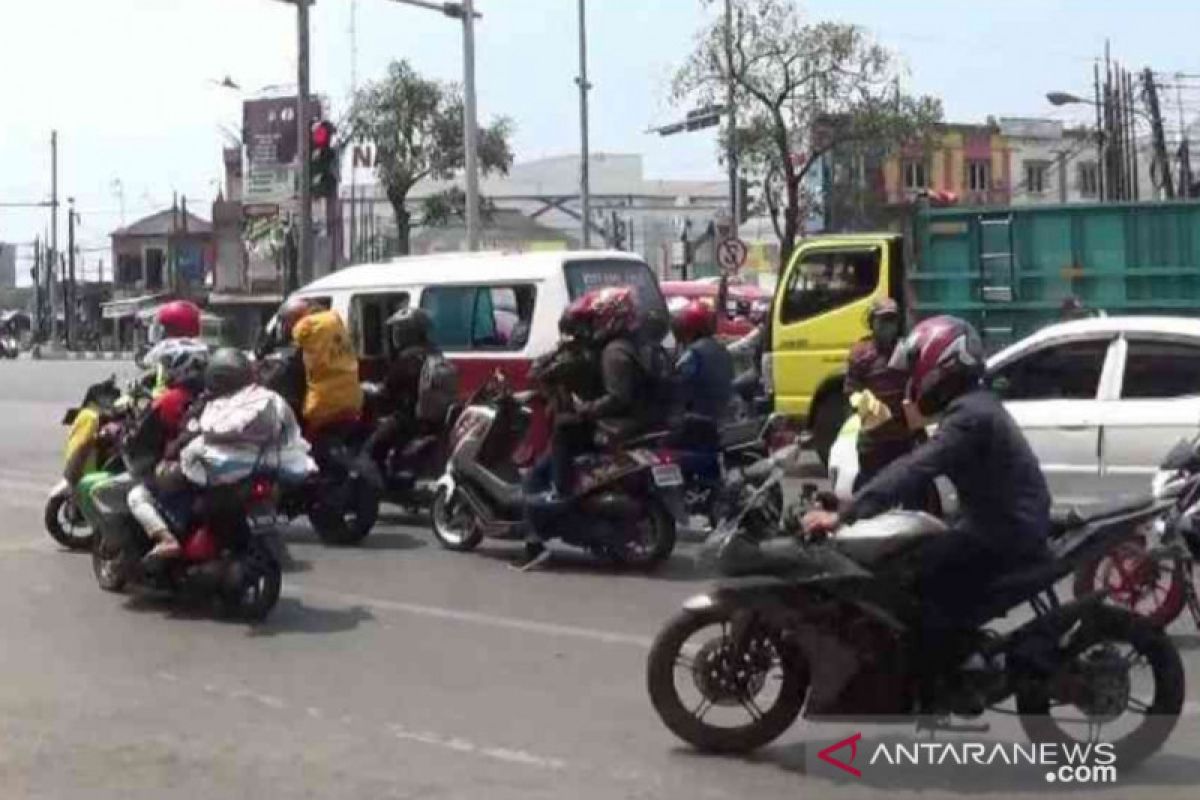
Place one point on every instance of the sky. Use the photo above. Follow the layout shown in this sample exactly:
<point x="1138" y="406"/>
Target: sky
<point x="131" y="85"/>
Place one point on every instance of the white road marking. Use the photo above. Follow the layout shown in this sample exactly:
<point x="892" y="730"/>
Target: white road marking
<point x="298" y="588"/>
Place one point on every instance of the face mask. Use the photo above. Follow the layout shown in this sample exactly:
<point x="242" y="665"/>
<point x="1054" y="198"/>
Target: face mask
<point x="886" y="331"/>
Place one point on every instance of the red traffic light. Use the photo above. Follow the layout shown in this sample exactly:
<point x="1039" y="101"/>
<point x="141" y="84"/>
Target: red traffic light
<point x="322" y="135"/>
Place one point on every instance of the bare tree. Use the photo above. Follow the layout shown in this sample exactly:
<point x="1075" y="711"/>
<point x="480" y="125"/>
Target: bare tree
<point x="802" y="91"/>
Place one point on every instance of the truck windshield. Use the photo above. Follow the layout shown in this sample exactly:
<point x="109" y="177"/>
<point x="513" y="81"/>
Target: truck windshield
<point x="828" y="279"/>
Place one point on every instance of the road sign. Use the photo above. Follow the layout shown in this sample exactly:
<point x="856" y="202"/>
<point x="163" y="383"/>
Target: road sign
<point x="731" y="254"/>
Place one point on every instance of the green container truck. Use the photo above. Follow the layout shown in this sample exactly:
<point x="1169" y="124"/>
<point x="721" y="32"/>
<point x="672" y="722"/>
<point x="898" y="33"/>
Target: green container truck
<point x="1009" y="270"/>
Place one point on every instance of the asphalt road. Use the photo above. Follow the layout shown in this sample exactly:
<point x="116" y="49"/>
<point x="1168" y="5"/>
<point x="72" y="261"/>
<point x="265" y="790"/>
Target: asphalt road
<point x="395" y="670"/>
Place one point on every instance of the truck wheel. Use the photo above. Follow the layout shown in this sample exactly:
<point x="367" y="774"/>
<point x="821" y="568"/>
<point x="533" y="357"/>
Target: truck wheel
<point x="827" y="421"/>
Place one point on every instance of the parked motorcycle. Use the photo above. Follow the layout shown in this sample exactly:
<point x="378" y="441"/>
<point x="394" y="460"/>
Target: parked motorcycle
<point x="825" y="626"/>
<point x="624" y="509"/>
<point x="231" y="551"/>
<point x="1151" y="572"/>
<point x="115" y="411"/>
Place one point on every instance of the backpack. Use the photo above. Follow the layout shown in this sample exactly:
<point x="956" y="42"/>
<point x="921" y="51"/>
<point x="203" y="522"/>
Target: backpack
<point x="437" y="390"/>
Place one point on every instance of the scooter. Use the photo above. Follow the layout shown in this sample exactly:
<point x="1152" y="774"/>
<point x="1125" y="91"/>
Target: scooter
<point x="232" y="551"/>
<point x="624" y="508"/>
<point x="409" y="473"/>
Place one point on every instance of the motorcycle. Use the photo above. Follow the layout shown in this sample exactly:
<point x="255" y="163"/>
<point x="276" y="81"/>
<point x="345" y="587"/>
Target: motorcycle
<point x="64" y="515"/>
<point x="409" y="473"/>
<point x="232" y="551"/>
<point x="623" y="510"/>
<point x="1151" y="573"/>
<point x="342" y="499"/>
<point x="825" y="626"/>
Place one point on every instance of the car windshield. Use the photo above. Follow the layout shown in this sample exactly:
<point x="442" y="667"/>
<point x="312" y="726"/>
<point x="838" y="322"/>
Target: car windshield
<point x="587" y="275"/>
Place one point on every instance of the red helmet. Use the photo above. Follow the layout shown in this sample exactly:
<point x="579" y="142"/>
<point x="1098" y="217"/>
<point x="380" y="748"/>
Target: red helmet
<point x="944" y="358"/>
<point x="601" y="315"/>
<point x="693" y="321"/>
<point x="179" y="319"/>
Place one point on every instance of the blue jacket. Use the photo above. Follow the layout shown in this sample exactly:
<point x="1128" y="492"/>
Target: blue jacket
<point x="705" y="379"/>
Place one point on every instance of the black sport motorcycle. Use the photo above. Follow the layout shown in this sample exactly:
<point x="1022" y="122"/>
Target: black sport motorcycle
<point x="342" y="498"/>
<point x="828" y="627"/>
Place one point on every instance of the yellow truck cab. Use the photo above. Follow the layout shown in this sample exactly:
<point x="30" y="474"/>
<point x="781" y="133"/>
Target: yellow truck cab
<point x="819" y="313"/>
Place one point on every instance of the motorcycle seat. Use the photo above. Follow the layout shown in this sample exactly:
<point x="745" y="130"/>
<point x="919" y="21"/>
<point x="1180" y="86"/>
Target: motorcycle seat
<point x="1019" y="584"/>
<point x="1072" y="517"/>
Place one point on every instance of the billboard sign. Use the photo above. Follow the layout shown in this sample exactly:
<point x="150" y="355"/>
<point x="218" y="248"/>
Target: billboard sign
<point x="272" y="147"/>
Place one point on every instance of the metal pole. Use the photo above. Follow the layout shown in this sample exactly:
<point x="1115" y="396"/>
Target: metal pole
<point x="304" y="139"/>
<point x="470" y="127"/>
<point x="1133" y="150"/>
<point x="39" y="310"/>
<point x="731" y="155"/>
<point x="52" y="259"/>
<point x="585" y="198"/>
<point x="1100" y="138"/>
<point x="69" y="289"/>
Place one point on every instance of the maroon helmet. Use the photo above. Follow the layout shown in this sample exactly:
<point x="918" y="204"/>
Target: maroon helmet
<point x="179" y="319"/>
<point x="601" y="315"/>
<point x="944" y="358"/>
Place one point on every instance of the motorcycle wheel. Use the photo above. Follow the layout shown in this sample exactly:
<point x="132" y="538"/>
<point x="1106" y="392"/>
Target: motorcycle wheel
<point x="724" y="682"/>
<point x="454" y="523"/>
<point x="260" y="588"/>
<point x="1150" y="587"/>
<point x="347" y="524"/>
<point x="66" y="524"/>
<point x="653" y="542"/>
<point x="1094" y="678"/>
<point x="110" y="565"/>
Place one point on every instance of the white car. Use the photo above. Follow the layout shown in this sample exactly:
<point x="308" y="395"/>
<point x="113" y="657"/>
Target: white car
<point x="1100" y="400"/>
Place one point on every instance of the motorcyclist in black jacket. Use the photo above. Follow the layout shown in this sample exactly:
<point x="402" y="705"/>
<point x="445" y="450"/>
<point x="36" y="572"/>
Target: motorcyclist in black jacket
<point x="1003" y="497"/>
<point x="630" y="401"/>
<point x="410" y="331"/>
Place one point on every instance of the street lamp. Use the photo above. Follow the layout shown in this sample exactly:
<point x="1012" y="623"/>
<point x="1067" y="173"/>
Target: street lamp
<point x="1065" y="98"/>
<point x="465" y="11"/>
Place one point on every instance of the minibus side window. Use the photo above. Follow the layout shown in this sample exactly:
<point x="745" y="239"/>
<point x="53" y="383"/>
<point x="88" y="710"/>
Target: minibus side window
<point x="827" y="280"/>
<point x="480" y="317"/>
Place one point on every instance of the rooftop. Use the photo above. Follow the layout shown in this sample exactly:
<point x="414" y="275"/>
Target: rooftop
<point x="164" y="223"/>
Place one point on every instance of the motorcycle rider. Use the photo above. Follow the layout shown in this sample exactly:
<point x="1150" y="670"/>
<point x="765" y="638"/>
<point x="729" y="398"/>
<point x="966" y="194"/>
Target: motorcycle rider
<point x="153" y="443"/>
<point x="704" y="370"/>
<point x="1003" y="496"/>
<point x="629" y="401"/>
<point x="176" y="328"/>
<point x="409" y="329"/>
<point x="317" y="373"/>
<point x="870" y="369"/>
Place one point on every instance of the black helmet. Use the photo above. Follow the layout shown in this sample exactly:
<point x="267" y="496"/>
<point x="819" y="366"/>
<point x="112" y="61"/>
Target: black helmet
<point x="229" y="371"/>
<point x="409" y="326"/>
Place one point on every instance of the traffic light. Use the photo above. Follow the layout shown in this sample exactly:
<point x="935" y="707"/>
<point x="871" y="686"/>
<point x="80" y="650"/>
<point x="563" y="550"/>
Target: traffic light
<point x="324" y="160"/>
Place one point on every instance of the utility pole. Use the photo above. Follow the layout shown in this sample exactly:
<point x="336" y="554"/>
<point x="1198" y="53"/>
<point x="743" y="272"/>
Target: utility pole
<point x="304" y="139"/>
<point x="1185" y="156"/>
<point x="69" y="288"/>
<point x="731" y="154"/>
<point x="470" y="126"/>
<point x="1133" y="150"/>
<point x="39" y="310"/>
<point x="1156" y="124"/>
<point x="52" y="260"/>
<point x="1101" y="137"/>
<point x="585" y="199"/>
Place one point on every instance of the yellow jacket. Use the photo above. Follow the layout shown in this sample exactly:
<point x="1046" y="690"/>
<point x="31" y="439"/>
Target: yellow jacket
<point x="333" y="391"/>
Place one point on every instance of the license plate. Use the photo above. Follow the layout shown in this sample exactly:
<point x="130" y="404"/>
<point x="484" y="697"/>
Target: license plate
<point x="667" y="475"/>
<point x="263" y="521"/>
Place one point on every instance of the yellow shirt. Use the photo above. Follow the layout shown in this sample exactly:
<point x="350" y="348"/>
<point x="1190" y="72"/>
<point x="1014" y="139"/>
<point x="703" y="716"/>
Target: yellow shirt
<point x="330" y="368"/>
<point x="83" y="434"/>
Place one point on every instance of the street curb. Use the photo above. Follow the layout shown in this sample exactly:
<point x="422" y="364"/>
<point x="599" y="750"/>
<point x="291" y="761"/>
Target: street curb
<point x="89" y="355"/>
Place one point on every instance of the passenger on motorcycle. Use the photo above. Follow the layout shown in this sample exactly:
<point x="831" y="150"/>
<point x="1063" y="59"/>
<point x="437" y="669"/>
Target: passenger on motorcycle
<point x="154" y="444"/>
<point x="1003" y="497"/>
<point x="319" y="374"/>
<point x="704" y="369"/>
<point x="629" y="375"/>
<point x="176" y="329"/>
<point x="409" y="330"/>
